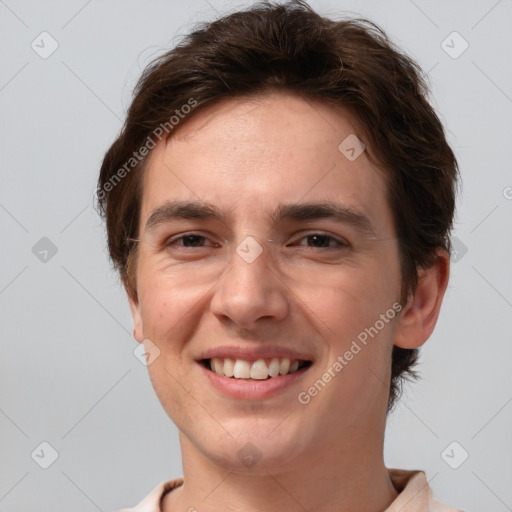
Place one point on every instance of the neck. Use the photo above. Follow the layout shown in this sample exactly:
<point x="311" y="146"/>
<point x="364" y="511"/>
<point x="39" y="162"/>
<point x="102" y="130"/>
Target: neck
<point x="352" y="477"/>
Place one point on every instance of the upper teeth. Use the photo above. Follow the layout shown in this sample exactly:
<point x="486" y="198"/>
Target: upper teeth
<point x="241" y="369"/>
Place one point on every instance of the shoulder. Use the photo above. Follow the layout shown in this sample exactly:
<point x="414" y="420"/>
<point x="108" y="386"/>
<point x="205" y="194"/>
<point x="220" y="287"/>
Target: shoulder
<point x="415" y="493"/>
<point x="151" y="503"/>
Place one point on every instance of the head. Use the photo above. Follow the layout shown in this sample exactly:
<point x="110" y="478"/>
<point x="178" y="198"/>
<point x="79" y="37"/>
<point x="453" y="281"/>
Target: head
<point x="246" y="115"/>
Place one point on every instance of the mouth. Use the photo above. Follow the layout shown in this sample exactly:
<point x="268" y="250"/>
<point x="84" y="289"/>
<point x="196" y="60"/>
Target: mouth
<point x="254" y="372"/>
<point x="260" y="379"/>
<point x="261" y="369"/>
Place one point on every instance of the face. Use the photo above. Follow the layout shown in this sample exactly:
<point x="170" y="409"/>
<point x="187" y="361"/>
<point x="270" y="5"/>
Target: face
<point x="261" y="240"/>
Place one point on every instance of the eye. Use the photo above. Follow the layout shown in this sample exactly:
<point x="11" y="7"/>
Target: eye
<point x="188" y="240"/>
<point x="311" y="240"/>
<point x="321" y="241"/>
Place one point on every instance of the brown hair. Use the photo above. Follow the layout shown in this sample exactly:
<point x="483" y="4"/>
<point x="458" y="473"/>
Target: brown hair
<point x="272" y="47"/>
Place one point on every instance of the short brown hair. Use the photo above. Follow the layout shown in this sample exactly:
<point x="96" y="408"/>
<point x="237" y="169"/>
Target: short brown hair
<point x="273" y="47"/>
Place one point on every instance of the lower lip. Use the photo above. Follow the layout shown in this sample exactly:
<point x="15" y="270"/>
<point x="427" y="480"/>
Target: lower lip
<point x="251" y="389"/>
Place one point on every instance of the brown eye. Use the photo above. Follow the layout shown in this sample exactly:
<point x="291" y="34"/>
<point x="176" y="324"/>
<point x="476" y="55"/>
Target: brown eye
<point x="189" y="240"/>
<point x="320" y="240"/>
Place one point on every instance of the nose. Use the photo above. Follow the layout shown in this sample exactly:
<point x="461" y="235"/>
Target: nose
<point x="250" y="293"/>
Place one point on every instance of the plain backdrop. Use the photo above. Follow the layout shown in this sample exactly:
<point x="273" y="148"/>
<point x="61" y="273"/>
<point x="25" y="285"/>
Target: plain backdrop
<point x="68" y="375"/>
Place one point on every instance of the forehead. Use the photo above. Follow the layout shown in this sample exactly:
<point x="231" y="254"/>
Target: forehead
<point x="246" y="155"/>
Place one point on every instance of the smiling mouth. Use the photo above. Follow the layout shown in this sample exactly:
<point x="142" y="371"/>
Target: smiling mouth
<point x="260" y="369"/>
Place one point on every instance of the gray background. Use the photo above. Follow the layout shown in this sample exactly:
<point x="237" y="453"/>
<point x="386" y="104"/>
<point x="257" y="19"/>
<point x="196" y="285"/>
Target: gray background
<point x="68" y="375"/>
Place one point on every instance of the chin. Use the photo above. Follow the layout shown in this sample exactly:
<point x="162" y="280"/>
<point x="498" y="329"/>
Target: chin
<point x="253" y="458"/>
<point x="257" y="449"/>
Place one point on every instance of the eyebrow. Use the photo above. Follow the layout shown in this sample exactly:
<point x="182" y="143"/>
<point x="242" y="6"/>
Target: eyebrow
<point x="173" y="210"/>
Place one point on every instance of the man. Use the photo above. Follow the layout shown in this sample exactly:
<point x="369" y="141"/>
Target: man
<point x="279" y="205"/>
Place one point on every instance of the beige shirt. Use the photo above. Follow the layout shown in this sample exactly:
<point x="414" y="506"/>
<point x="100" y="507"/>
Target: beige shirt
<point x="415" y="494"/>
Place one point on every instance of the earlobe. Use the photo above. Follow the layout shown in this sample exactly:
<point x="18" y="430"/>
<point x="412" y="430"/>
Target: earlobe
<point x="419" y="316"/>
<point x="138" y="331"/>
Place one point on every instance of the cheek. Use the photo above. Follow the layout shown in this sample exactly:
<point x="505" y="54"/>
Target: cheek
<point x="350" y="321"/>
<point x="348" y="299"/>
<point x="170" y="299"/>
<point x="357" y="344"/>
<point x="169" y="380"/>
<point x="346" y="306"/>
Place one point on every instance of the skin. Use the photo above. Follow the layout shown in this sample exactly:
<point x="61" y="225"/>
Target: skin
<point x="246" y="156"/>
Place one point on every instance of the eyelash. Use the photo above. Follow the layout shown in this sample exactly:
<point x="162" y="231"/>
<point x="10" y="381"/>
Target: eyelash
<point x="340" y="243"/>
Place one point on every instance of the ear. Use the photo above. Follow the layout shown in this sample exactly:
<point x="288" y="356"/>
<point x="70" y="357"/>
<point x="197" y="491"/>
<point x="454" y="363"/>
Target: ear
<point x="138" y="331"/>
<point x="419" y="316"/>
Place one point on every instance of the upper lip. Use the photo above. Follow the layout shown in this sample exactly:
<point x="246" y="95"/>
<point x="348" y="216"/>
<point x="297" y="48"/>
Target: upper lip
<point x="254" y="353"/>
